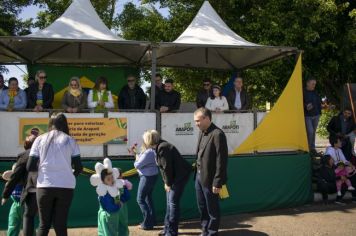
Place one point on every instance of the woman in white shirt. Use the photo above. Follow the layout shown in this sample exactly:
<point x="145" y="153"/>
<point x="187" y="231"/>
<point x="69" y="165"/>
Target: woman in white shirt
<point x="54" y="155"/>
<point x="100" y="98"/>
<point x="217" y="102"/>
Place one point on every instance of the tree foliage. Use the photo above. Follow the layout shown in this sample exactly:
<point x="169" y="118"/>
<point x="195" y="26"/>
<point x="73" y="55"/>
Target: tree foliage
<point x="325" y="30"/>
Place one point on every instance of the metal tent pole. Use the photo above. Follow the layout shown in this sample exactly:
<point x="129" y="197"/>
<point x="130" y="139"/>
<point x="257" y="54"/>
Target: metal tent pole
<point x="153" y="77"/>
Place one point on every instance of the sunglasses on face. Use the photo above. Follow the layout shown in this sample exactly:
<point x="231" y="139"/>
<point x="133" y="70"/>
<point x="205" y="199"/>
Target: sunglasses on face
<point x="131" y="80"/>
<point x="206" y="84"/>
<point x="42" y="77"/>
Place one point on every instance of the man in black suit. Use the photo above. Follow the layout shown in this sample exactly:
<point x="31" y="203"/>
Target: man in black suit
<point x="2" y="84"/>
<point x="175" y="174"/>
<point x="238" y="98"/>
<point x="211" y="173"/>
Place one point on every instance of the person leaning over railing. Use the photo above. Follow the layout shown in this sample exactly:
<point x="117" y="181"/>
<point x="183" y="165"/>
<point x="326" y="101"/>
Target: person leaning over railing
<point x="217" y="102"/>
<point x="74" y="99"/>
<point x="13" y="98"/>
<point x="40" y="94"/>
<point x="169" y="99"/>
<point x="238" y="98"/>
<point x="100" y="97"/>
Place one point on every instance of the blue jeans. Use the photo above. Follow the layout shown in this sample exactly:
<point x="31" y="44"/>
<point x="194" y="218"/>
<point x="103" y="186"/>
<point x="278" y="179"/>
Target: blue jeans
<point x="171" y="219"/>
<point x="209" y="208"/>
<point x="144" y="200"/>
<point x="311" y="123"/>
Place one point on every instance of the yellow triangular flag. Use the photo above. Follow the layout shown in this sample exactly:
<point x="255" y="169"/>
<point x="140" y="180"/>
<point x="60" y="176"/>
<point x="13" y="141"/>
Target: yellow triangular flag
<point x="284" y="127"/>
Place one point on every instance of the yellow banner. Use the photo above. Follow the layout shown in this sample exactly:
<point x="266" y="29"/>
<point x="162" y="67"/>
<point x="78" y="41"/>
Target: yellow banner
<point x="87" y="131"/>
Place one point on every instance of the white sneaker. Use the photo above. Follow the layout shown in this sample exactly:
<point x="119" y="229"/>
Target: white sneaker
<point x="350" y="188"/>
<point x="339" y="193"/>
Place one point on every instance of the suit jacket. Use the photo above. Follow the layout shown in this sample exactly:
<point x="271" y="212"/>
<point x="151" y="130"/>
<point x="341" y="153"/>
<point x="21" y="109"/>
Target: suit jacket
<point x="21" y="176"/>
<point x="171" y="100"/>
<point x="174" y="168"/>
<point x="47" y="92"/>
<point x="334" y="126"/>
<point x="245" y="100"/>
<point x="213" y="158"/>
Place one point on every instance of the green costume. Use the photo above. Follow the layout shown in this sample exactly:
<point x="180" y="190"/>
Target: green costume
<point x="104" y="98"/>
<point x="123" y="220"/>
<point x="15" y="218"/>
<point x="108" y="223"/>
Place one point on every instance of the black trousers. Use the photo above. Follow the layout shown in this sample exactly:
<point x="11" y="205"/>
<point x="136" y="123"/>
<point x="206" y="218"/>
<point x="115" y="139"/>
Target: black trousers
<point x="209" y="207"/>
<point x="30" y="212"/>
<point x="53" y="208"/>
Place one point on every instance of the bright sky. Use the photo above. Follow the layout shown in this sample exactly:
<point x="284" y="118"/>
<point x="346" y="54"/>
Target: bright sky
<point x="31" y="12"/>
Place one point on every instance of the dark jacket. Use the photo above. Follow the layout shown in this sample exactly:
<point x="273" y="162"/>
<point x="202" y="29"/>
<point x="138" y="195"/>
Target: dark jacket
<point x="212" y="157"/>
<point x="202" y="97"/>
<point x="125" y="102"/>
<point x="79" y="102"/>
<point x="170" y="100"/>
<point x="21" y="176"/>
<point x="47" y="92"/>
<point x="245" y="100"/>
<point x="334" y="126"/>
<point x="327" y="175"/>
<point x="172" y="165"/>
<point x="313" y="98"/>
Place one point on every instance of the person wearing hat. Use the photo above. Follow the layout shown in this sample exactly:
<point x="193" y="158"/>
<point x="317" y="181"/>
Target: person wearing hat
<point x="217" y="102"/>
<point x="18" y="188"/>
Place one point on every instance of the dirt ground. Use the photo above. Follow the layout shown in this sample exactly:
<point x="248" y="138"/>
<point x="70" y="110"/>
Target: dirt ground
<point x="307" y="220"/>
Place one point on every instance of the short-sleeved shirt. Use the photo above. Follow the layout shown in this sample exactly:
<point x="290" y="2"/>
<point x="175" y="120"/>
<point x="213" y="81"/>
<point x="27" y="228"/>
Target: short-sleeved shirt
<point x="55" y="151"/>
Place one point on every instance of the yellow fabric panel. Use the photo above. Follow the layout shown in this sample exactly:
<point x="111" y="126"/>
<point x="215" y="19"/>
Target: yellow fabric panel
<point x="85" y="83"/>
<point x="283" y="128"/>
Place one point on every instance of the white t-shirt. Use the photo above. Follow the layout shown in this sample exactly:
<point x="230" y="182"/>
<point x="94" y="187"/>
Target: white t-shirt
<point x="55" y="167"/>
<point x="213" y="104"/>
<point x="336" y="154"/>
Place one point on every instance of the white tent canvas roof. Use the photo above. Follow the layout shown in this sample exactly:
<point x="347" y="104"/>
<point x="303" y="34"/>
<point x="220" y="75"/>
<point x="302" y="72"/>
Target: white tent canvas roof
<point x="209" y="43"/>
<point x="77" y="37"/>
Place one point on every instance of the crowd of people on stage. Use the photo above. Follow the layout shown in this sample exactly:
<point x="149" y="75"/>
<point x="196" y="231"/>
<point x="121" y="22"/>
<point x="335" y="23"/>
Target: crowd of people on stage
<point x="337" y="174"/>
<point x="39" y="96"/>
<point x="43" y="180"/>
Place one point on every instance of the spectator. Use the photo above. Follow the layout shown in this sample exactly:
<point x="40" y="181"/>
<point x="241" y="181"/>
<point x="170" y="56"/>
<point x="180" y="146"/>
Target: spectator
<point x="327" y="180"/>
<point x="159" y="84"/>
<point x="20" y="176"/>
<point x="169" y="99"/>
<point x="204" y="94"/>
<point x="132" y="95"/>
<point x="74" y="99"/>
<point x="148" y="171"/>
<point x="352" y="137"/>
<point x="13" y="98"/>
<point x="342" y="125"/>
<point x="40" y="94"/>
<point x="2" y="84"/>
<point x="217" y="102"/>
<point x="312" y="111"/>
<point x="335" y="150"/>
<point x="99" y="97"/>
<point x="30" y="81"/>
<point x="55" y="154"/>
<point x="238" y="98"/>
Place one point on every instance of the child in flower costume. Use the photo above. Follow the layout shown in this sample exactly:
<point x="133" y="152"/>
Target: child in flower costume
<point x="16" y="211"/>
<point x="108" y="188"/>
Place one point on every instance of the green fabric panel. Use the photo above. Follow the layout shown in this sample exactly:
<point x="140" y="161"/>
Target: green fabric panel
<point x="59" y="76"/>
<point x="256" y="183"/>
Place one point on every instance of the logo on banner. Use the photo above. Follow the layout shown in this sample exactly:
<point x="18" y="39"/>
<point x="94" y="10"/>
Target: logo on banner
<point x="186" y="129"/>
<point x="232" y="128"/>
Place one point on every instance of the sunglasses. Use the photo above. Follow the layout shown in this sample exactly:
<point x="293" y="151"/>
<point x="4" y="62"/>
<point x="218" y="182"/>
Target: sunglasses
<point x="131" y="80"/>
<point x="206" y="84"/>
<point x="42" y="77"/>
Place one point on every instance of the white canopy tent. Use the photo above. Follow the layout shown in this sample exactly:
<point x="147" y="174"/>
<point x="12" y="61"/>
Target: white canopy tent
<point x="77" y="37"/>
<point x="209" y="43"/>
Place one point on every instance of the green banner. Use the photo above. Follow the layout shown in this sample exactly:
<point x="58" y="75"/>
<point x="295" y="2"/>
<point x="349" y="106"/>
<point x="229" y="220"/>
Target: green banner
<point x="59" y="77"/>
<point x="257" y="183"/>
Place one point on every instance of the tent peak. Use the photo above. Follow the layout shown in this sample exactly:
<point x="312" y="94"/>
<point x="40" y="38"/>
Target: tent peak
<point x="208" y="28"/>
<point x="79" y="21"/>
